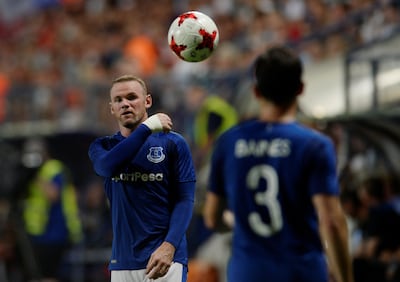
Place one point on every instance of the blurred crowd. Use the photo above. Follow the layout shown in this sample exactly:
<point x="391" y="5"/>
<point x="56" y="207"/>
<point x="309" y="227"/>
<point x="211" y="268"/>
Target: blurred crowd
<point x="58" y="57"/>
<point x="370" y="195"/>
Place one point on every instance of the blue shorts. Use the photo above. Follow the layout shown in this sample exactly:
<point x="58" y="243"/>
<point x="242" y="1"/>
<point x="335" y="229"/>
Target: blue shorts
<point x="307" y="268"/>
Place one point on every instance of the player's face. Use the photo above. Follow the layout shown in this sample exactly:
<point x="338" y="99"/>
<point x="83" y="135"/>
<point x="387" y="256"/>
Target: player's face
<point x="129" y="103"/>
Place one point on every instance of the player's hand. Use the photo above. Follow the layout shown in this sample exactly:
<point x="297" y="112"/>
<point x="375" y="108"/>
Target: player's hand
<point x="166" y="122"/>
<point x="160" y="261"/>
<point x="159" y="122"/>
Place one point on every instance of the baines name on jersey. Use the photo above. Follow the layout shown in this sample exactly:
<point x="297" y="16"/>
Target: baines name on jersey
<point x="259" y="148"/>
<point x="138" y="176"/>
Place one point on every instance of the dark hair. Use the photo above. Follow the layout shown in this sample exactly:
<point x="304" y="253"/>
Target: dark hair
<point x="278" y="74"/>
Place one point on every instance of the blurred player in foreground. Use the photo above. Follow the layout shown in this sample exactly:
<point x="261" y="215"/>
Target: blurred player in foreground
<point x="149" y="180"/>
<point x="279" y="179"/>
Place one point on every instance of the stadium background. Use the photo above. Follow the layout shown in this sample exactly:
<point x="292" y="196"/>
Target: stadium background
<point x="57" y="59"/>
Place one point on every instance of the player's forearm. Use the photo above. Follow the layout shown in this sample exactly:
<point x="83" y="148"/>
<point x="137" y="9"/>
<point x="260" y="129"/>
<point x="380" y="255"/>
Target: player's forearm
<point x="181" y="214"/>
<point x="210" y="210"/>
<point x="335" y="240"/>
<point x="107" y="162"/>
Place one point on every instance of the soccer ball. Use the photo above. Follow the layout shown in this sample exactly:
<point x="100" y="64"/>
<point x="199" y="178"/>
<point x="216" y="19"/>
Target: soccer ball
<point x="193" y="36"/>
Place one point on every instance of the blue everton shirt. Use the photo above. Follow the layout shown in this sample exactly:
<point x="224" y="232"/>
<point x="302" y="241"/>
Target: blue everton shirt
<point x="149" y="181"/>
<point x="268" y="172"/>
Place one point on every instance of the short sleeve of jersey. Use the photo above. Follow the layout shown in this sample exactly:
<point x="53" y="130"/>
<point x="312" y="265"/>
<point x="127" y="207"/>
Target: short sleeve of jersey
<point x="322" y="167"/>
<point x="216" y="182"/>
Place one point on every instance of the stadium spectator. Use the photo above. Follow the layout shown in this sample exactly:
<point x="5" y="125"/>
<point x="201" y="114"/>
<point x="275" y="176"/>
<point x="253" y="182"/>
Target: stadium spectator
<point x="50" y="210"/>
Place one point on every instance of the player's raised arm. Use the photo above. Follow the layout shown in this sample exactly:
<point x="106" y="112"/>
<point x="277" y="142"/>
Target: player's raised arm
<point x="107" y="160"/>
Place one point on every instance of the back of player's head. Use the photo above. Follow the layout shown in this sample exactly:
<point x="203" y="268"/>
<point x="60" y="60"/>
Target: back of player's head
<point x="278" y="74"/>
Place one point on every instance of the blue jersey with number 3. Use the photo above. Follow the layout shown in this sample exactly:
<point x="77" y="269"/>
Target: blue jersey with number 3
<point x="269" y="172"/>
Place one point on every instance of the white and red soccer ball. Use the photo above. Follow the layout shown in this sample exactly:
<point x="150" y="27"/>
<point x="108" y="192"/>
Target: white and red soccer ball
<point x="193" y="36"/>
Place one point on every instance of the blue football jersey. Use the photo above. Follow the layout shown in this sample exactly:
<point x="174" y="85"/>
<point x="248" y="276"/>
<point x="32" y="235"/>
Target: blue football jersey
<point x="142" y="193"/>
<point x="268" y="172"/>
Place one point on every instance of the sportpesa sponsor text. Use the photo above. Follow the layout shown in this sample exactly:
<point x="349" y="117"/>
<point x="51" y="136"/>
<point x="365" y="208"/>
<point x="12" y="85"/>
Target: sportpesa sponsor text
<point x="138" y="176"/>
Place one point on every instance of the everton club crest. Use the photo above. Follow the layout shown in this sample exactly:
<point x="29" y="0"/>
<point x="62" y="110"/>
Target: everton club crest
<point x="156" y="154"/>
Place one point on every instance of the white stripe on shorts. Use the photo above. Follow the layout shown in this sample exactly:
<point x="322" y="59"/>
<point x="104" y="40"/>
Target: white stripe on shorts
<point x="174" y="274"/>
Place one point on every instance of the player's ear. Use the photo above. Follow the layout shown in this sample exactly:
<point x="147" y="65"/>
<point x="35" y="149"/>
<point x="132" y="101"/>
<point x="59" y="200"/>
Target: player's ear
<point x="300" y="89"/>
<point x="148" y="101"/>
<point x="256" y="91"/>
<point x="111" y="108"/>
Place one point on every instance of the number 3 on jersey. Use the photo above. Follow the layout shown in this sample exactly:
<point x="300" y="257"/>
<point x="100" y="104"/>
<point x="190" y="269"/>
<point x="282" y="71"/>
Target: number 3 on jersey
<point x="267" y="198"/>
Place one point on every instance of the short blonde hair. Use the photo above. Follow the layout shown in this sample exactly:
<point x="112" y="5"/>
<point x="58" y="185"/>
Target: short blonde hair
<point x="128" y="77"/>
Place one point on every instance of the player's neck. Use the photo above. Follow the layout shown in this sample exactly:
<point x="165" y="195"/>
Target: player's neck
<point x="125" y="131"/>
<point x="271" y="113"/>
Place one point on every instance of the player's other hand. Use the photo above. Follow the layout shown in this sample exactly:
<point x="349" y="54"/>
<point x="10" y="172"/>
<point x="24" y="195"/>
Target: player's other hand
<point x="160" y="261"/>
<point x="159" y="122"/>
